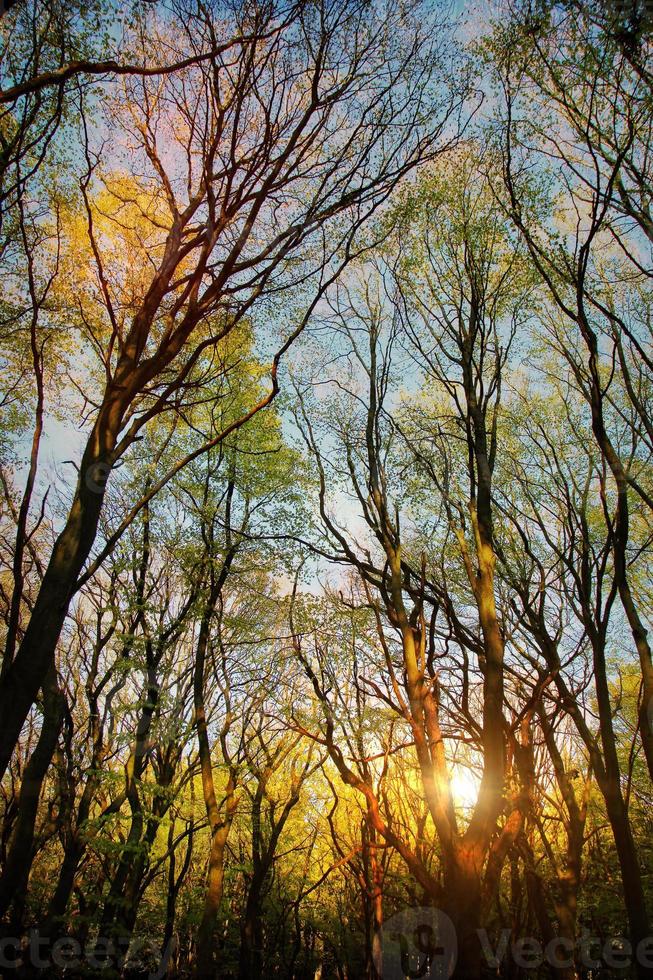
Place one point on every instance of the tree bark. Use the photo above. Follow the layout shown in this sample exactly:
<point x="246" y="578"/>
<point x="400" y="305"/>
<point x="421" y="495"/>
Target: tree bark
<point x="35" y="656"/>
<point x="21" y="853"/>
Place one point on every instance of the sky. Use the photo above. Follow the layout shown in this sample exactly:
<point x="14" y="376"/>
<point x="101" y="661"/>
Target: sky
<point x="64" y="438"/>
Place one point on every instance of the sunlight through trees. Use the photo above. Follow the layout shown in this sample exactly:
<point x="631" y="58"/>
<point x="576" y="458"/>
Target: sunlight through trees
<point x="326" y="489"/>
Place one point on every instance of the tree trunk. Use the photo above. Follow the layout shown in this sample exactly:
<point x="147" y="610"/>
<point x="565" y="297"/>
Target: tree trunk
<point x="21" y="854"/>
<point x="65" y="882"/>
<point x="35" y="656"/>
<point x="377" y="910"/>
<point x="463" y="902"/>
<point x="168" y="946"/>
<point x="608" y="777"/>
<point x="219" y="825"/>
<point x="214" y="889"/>
<point x="251" y="941"/>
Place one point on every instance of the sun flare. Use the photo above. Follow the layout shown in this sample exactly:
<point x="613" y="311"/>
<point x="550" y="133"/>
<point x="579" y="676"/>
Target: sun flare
<point x="464" y="787"/>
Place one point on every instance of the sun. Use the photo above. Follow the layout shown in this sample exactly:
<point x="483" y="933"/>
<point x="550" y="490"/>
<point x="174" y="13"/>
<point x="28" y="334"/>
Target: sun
<point x="464" y="787"/>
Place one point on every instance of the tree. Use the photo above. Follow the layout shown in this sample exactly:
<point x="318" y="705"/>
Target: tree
<point x="567" y="545"/>
<point x="325" y="154"/>
<point x="481" y="291"/>
<point x="334" y="625"/>
<point x="585" y="76"/>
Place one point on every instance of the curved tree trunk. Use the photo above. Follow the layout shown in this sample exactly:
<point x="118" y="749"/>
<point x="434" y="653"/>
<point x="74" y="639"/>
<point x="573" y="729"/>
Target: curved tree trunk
<point x="21" y="853"/>
<point x="35" y="656"/>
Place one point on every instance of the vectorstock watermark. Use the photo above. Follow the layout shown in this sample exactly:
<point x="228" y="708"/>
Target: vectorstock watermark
<point x="422" y="942"/>
<point x="419" y="942"/>
<point x="562" y="953"/>
<point x="96" y="476"/>
<point x="67" y="953"/>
